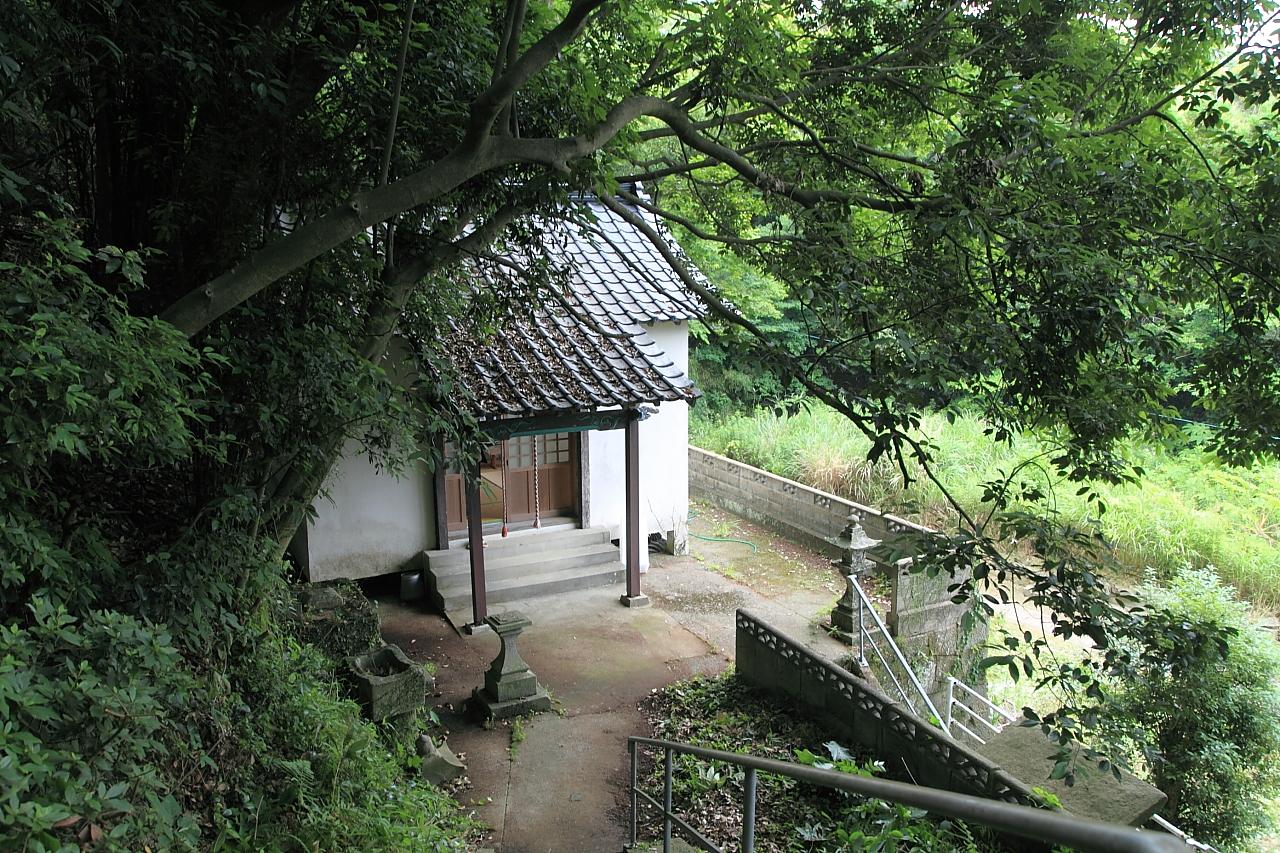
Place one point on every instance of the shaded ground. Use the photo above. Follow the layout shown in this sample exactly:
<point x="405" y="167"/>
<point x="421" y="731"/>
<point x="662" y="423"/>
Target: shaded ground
<point x="563" y="786"/>
<point x="769" y="564"/>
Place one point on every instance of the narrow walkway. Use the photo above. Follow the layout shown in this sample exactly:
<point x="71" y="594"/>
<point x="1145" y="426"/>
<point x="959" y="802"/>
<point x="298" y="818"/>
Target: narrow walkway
<point x="560" y="783"/>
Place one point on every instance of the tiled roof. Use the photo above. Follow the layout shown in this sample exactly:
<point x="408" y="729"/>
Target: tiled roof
<point x="585" y="349"/>
<point x="557" y="359"/>
<point x="617" y="272"/>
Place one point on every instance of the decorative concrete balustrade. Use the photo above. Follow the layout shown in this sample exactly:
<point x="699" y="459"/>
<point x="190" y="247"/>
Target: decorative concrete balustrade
<point x="802" y="513"/>
<point x="858" y="712"/>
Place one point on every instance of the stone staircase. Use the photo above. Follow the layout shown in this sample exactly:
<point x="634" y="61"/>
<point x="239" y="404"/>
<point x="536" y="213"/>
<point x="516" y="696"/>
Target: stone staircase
<point x="525" y="564"/>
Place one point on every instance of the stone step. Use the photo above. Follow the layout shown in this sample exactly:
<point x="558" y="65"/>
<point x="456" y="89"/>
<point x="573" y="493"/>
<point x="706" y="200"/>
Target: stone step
<point x="1029" y="755"/>
<point x="525" y="541"/>
<point x="519" y="565"/>
<point x="551" y="583"/>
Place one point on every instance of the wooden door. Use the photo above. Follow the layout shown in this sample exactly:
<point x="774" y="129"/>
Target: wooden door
<point x="507" y="474"/>
<point x="558" y="473"/>
<point x="520" y="477"/>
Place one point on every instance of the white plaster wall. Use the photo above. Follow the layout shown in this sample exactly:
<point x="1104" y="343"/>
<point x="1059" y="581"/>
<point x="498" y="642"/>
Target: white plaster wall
<point x="664" y="448"/>
<point x="664" y="462"/>
<point x="372" y="523"/>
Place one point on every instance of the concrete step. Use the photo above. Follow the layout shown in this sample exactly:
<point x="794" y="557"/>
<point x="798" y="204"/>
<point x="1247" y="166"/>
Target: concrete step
<point x="521" y="542"/>
<point x="550" y="583"/>
<point x="1026" y="753"/>
<point x="525" y="564"/>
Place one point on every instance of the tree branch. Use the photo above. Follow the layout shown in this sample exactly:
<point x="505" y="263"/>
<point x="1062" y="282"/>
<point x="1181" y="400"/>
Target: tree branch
<point x="693" y="228"/>
<point x="202" y="306"/>
<point x="817" y="389"/>
<point x="486" y="108"/>
<point x="474" y="155"/>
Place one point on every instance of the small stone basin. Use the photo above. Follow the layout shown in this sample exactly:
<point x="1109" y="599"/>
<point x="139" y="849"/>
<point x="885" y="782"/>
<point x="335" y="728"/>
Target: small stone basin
<point x="388" y="684"/>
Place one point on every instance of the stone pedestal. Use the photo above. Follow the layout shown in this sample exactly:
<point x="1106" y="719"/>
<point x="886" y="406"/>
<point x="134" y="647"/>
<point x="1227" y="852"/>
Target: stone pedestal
<point x="844" y="616"/>
<point x="510" y="687"/>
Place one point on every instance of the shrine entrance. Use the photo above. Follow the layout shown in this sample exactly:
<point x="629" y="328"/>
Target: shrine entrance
<point x="525" y="481"/>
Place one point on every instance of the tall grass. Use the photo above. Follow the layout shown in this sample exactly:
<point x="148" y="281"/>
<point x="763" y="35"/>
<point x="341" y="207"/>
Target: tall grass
<point x="1189" y="510"/>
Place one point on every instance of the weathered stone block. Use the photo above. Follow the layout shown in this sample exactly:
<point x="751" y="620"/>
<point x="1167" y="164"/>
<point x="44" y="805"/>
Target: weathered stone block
<point x="512" y="686"/>
<point x="1025" y="752"/>
<point x="489" y="708"/>
<point x="387" y="683"/>
<point x="940" y="620"/>
<point x="439" y="764"/>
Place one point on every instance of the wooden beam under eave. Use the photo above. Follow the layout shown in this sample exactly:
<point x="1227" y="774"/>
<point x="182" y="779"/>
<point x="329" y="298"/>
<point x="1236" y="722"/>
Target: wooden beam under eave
<point x="631" y="443"/>
<point x="557" y="422"/>
<point x="475" y="541"/>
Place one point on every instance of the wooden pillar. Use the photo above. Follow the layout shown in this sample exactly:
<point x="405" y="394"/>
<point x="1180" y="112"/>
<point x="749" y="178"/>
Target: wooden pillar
<point x="441" y="501"/>
<point x="475" y="539"/>
<point x="631" y="441"/>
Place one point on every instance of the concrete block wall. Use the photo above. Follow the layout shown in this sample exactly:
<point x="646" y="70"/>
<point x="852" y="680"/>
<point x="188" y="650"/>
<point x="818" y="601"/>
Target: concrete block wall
<point x="802" y="513"/>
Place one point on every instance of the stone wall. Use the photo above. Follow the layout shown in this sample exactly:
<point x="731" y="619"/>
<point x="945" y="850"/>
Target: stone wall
<point x="803" y="514"/>
<point x="861" y="714"/>
<point x="930" y="630"/>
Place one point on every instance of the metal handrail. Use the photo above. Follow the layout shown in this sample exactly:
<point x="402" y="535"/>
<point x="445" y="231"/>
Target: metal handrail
<point x="1178" y="833"/>
<point x="953" y="702"/>
<point x="864" y="604"/>
<point x="1083" y="834"/>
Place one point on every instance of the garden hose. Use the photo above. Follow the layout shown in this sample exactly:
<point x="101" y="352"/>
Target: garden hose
<point x="751" y="545"/>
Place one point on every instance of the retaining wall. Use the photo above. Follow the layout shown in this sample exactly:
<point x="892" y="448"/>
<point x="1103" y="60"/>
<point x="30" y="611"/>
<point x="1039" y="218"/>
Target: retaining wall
<point x="804" y="514"/>
<point x="862" y="714"/>
<point x="921" y="617"/>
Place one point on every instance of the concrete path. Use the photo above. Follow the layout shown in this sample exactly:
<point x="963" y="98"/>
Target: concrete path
<point x="562" y="786"/>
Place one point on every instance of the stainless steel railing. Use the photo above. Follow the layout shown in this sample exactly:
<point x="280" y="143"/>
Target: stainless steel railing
<point x="866" y="611"/>
<point x="961" y="697"/>
<point x="1082" y="834"/>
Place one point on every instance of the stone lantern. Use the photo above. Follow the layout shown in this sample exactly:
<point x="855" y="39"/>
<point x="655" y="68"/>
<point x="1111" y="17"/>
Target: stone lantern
<point x="854" y="543"/>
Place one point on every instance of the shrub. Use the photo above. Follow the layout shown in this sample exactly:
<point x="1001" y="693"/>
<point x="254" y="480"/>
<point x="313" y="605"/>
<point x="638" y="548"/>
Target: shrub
<point x="1214" y="740"/>
<point x="724" y="713"/>
<point x="150" y="695"/>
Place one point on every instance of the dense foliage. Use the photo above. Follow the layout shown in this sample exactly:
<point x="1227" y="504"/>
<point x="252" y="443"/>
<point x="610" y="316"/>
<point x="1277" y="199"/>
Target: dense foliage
<point x="722" y="713"/>
<point x="1211" y="740"/>
<point x="148" y="693"/>
<point x="219" y="218"/>
<point x="1188" y="508"/>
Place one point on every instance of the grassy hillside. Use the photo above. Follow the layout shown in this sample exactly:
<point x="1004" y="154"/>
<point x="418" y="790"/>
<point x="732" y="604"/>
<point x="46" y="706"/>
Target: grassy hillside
<point x="1188" y="510"/>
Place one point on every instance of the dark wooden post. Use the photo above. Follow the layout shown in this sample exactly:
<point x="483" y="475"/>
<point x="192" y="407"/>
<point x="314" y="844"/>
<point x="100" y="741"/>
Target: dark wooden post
<point x="631" y="441"/>
<point x="441" y="500"/>
<point x="475" y="539"/>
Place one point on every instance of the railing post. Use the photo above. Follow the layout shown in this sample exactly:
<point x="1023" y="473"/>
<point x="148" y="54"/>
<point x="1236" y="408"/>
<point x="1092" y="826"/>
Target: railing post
<point x="951" y="698"/>
<point x="632" y="747"/>
<point x="666" y="803"/>
<point x="749" y="812"/>
<point x="862" y="637"/>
